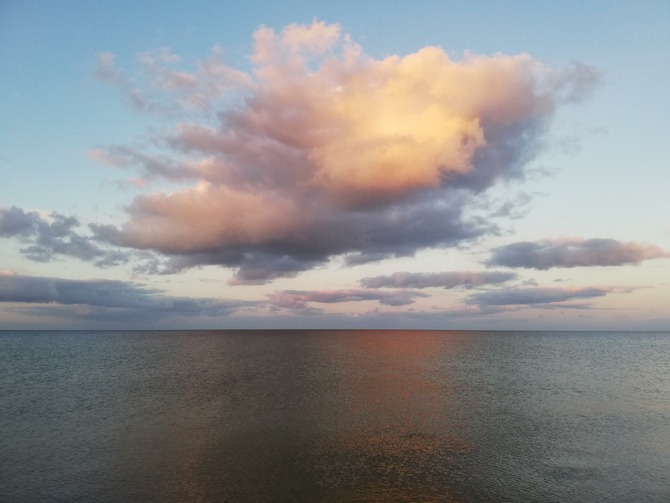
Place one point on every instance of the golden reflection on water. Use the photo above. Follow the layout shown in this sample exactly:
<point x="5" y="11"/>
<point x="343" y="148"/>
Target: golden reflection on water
<point x="377" y="427"/>
<point x="394" y="438"/>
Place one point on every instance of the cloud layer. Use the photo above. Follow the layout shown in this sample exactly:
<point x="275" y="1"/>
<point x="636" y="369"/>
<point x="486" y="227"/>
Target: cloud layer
<point x="322" y="150"/>
<point x="122" y="302"/>
<point x="106" y="300"/>
<point x="574" y="253"/>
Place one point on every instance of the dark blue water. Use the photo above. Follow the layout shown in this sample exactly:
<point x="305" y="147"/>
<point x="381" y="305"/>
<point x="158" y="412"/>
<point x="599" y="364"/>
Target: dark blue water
<point x="334" y="416"/>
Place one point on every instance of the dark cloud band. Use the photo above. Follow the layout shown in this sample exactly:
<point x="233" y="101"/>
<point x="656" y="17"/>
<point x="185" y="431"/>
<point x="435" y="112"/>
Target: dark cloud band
<point x="535" y="296"/>
<point x="574" y="253"/>
<point x="465" y="279"/>
<point x="108" y="300"/>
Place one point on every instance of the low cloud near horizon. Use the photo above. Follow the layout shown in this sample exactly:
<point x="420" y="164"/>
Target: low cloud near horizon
<point x="124" y="302"/>
<point x="535" y="296"/>
<point x="106" y="300"/>
<point x="574" y="253"/>
<point x="465" y="279"/>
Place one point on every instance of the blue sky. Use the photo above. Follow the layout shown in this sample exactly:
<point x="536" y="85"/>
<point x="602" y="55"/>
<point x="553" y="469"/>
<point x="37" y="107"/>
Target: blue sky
<point x="514" y="177"/>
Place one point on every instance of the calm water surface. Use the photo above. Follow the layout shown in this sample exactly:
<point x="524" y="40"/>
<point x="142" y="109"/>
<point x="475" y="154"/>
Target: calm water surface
<point x="334" y="416"/>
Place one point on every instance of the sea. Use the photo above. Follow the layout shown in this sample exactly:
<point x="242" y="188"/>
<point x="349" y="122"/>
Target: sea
<point x="334" y="416"/>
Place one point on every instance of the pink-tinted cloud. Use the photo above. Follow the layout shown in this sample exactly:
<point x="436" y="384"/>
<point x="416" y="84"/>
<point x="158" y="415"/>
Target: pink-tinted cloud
<point x="574" y="253"/>
<point x="323" y="150"/>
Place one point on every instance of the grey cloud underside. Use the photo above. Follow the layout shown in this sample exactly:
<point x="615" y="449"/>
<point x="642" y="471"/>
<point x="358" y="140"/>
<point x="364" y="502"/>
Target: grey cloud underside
<point x="363" y="236"/>
<point x="107" y="300"/>
<point x="573" y="253"/>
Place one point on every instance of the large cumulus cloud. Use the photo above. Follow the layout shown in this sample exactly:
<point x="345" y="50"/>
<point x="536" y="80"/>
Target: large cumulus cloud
<point x="322" y="150"/>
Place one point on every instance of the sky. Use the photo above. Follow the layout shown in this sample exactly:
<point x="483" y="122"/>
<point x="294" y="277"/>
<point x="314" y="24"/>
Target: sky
<point x="422" y="165"/>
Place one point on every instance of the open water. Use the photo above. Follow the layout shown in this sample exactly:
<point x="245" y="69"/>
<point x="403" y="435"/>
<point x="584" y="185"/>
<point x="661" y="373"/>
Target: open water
<point x="334" y="416"/>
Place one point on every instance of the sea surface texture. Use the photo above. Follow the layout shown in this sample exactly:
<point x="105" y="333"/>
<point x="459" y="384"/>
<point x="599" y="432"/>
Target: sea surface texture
<point x="335" y="416"/>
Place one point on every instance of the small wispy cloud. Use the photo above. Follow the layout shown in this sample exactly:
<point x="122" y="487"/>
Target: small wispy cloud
<point x="165" y="91"/>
